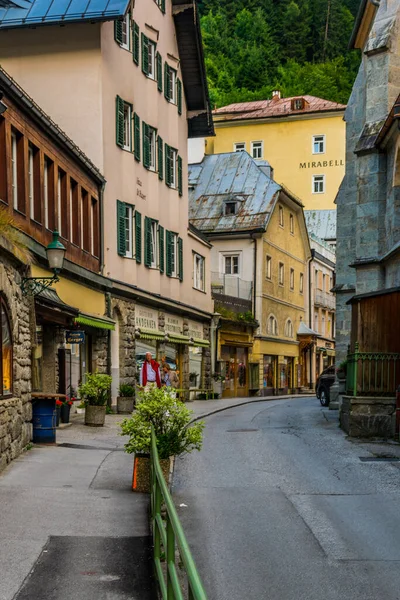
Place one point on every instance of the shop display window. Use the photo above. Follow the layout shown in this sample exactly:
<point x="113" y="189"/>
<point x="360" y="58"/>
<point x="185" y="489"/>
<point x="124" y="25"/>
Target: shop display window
<point x="268" y="372"/>
<point x="6" y="352"/>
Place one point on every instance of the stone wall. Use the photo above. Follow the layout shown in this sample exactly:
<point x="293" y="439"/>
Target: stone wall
<point x="16" y="412"/>
<point x="100" y="341"/>
<point x="125" y="313"/>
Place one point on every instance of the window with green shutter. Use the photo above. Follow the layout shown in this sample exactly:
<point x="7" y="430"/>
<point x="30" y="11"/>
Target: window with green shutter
<point x="167" y="165"/>
<point x="169" y="250"/>
<point x="121" y="238"/>
<point x="159" y="72"/>
<point x="135" y="42"/>
<point x="118" y="31"/>
<point x="161" y="248"/>
<point x="138" y="237"/>
<point x="146" y="145"/>
<point x="180" y="259"/>
<point x="145" y="54"/>
<point x="163" y="6"/>
<point x="179" y="95"/>
<point x="160" y="157"/>
<point x="136" y="122"/>
<point x="180" y="186"/>
<point x="119" y="106"/>
<point x="147" y="242"/>
<point x="167" y="91"/>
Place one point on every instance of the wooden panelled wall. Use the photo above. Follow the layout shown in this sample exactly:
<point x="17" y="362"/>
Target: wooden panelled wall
<point x="46" y="189"/>
<point x="375" y="323"/>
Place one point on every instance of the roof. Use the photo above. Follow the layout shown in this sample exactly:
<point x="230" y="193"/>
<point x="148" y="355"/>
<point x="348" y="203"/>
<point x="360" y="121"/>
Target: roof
<point x="11" y="88"/>
<point x="275" y="107"/>
<point x="363" y="23"/>
<point x="28" y="13"/>
<point x="387" y="125"/>
<point x="305" y="330"/>
<point x="233" y="176"/>
<point x="321" y="223"/>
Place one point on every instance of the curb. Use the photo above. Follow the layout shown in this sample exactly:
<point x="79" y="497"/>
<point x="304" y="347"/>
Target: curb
<point x="249" y="401"/>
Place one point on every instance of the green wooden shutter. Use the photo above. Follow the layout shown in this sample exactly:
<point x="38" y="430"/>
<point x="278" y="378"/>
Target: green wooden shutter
<point x="167" y="165"/>
<point x="136" y="121"/>
<point x="145" y="54"/>
<point x="180" y="187"/>
<point x="138" y="237"/>
<point x="146" y="144"/>
<point x="121" y="240"/>
<point x="161" y="248"/>
<point x="163" y="6"/>
<point x="180" y="258"/>
<point x="147" y="242"/>
<point x="135" y="42"/>
<point x="160" y="157"/>
<point x="119" y="121"/>
<point x="118" y="31"/>
<point x="168" y="240"/>
<point x="159" y="71"/>
<point x="167" y="91"/>
<point x="179" y="95"/>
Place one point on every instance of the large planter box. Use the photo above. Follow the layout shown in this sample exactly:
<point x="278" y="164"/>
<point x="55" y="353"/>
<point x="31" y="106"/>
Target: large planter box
<point x="368" y="416"/>
<point x="125" y="405"/>
<point x="95" y="416"/>
<point x="141" y="481"/>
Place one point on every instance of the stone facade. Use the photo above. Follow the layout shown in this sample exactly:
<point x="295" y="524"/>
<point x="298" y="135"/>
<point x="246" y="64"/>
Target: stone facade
<point x="16" y="411"/>
<point x="366" y="417"/>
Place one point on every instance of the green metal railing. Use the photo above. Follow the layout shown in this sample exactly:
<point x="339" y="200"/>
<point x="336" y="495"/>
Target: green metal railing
<point x="372" y="373"/>
<point x="168" y="536"/>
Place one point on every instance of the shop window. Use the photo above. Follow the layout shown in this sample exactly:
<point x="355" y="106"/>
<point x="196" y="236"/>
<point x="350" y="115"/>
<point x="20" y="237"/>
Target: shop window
<point x="6" y="341"/>
<point x="269" y="371"/>
<point x="272" y="325"/>
<point x="195" y="367"/>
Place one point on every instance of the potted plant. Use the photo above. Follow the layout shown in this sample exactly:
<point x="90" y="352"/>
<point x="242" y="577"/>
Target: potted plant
<point x="80" y="409"/>
<point x="341" y="371"/>
<point x="65" y="410"/>
<point x="59" y="404"/>
<point x="174" y="433"/>
<point x="95" y="393"/>
<point x="125" y="399"/>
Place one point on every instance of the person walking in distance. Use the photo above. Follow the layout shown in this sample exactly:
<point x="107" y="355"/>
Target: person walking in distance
<point x="150" y="373"/>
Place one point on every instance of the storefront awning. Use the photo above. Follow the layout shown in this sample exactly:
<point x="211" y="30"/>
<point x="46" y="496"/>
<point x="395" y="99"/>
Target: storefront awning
<point x="178" y="339"/>
<point x="150" y="334"/>
<point x="201" y="343"/>
<point x="95" y="321"/>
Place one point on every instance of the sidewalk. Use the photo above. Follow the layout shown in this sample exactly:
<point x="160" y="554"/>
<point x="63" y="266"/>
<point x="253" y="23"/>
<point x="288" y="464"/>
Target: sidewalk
<point x="71" y="528"/>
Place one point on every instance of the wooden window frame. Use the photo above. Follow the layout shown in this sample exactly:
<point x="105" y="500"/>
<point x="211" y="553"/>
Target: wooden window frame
<point x="3" y="162"/>
<point x="85" y="221"/>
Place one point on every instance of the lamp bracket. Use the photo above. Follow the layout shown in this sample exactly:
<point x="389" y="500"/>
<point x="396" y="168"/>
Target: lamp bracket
<point x="33" y="286"/>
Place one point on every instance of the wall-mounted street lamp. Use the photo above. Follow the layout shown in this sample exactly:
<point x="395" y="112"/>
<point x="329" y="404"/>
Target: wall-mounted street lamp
<point x="3" y="107"/>
<point x="55" y="251"/>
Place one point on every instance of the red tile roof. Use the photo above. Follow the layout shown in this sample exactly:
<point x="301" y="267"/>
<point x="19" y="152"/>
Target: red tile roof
<point x="276" y="107"/>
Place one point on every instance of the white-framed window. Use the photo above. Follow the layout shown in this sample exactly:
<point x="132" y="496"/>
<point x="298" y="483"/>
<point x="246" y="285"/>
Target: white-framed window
<point x="231" y="264"/>
<point x="127" y="127"/>
<point x="239" y="147"/>
<point x="14" y="169"/>
<point x="318" y="184"/>
<point x="129" y="231"/>
<point x="272" y="325"/>
<point x="257" y="150"/>
<point x="174" y="254"/>
<point x="198" y="271"/>
<point x="46" y="192"/>
<point x="126" y="30"/>
<point x="289" y="328"/>
<point x="173" y="158"/>
<point x="291" y="219"/>
<point x="153" y="241"/>
<point x="172" y="85"/>
<point x="301" y="283"/>
<point x="281" y="217"/>
<point x="281" y="274"/>
<point x="31" y="184"/>
<point x="151" y="71"/>
<point x="318" y="144"/>
<point x="152" y="148"/>
<point x="230" y="208"/>
<point x="268" y="267"/>
<point x="292" y="279"/>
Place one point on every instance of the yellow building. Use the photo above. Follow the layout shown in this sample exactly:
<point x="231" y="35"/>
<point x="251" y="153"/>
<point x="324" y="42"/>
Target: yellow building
<point x="303" y="139"/>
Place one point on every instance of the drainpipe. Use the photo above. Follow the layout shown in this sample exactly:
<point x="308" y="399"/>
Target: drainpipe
<point x="254" y="274"/>
<point x="102" y="229"/>
<point x="310" y="313"/>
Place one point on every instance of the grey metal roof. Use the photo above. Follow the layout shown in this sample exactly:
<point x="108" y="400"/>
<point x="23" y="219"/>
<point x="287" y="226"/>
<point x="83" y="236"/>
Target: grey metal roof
<point x="233" y="176"/>
<point x="28" y="13"/>
<point x="321" y="223"/>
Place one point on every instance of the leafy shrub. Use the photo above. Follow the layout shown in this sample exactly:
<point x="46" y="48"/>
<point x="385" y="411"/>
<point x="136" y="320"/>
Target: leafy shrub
<point x="96" y="389"/>
<point x="170" y="419"/>
<point x="126" y="390"/>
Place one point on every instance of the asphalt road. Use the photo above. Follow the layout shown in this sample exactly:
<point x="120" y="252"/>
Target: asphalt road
<point x="279" y="506"/>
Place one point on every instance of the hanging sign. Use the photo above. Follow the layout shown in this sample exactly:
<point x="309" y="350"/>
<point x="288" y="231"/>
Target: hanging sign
<point x="75" y="337"/>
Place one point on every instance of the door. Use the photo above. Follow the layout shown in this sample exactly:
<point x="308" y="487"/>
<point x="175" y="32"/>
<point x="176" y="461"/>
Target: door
<point x="234" y="369"/>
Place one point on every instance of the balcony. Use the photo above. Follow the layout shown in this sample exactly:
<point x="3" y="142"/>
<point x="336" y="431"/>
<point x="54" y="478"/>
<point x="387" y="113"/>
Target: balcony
<point x="324" y="300"/>
<point x="232" y="291"/>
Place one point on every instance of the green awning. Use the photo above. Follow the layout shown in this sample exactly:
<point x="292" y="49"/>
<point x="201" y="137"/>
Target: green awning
<point x="178" y="339"/>
<point x="150" y="334"/>
<point x="94" y="321"/>
<point x="201" y="343"/>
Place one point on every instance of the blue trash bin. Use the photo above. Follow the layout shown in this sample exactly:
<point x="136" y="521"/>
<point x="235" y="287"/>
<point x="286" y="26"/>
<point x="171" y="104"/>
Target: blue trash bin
<point x="44" y="420"/>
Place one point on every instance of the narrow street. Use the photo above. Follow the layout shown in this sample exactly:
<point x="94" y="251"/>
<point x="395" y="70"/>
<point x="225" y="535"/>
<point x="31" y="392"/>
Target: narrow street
<point x="279" y="506"/>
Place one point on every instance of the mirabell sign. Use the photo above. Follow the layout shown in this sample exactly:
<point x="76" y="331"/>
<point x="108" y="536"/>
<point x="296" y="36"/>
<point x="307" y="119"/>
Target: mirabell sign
<point x="321" y="164"/>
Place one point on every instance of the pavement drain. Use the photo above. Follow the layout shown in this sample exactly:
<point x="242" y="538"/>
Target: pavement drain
<point x="386" y="458"/>
<point x="86" y="447"/>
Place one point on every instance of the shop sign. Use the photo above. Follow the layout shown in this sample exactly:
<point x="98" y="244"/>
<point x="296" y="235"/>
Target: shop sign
<point x="146" y="317"/>
<point x="195" y="330"/>
<point x="173" y="325"/>
<point x="75" y="337"/>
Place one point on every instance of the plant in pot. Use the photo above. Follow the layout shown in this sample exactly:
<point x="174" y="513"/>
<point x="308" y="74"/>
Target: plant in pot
<point x="59" y="404"/>
<point x="95" y="392"/>
<point x="174" y="433"/>
<point x="341" y="371"/>
<point x="125" y="399"/>
<point x="65" y="410"/>
<point x="80" y="409"/>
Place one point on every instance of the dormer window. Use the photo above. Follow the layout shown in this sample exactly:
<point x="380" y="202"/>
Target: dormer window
<point x="298" y="104"/>
<point x="230" y="208"/>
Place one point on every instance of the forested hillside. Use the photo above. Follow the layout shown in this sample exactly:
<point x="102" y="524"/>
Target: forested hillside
<point x="296" y="46"/>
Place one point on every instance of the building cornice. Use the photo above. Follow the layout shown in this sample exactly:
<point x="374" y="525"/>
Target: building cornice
<point x="236" y="122"/>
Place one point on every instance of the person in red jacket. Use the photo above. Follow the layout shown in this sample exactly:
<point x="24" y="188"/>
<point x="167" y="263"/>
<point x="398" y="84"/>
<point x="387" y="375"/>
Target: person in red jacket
<point x="150" y="373"/>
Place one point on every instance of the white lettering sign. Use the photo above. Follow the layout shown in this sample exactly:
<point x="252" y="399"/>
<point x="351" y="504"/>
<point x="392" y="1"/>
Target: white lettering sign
<point x="173" y="324"/>
<point x="196" y="330"/>
<point x="146" y="317"/>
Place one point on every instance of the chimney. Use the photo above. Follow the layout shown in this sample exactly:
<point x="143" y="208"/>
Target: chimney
<point x="276" y="95"/>
<point x="266" y="168"/>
